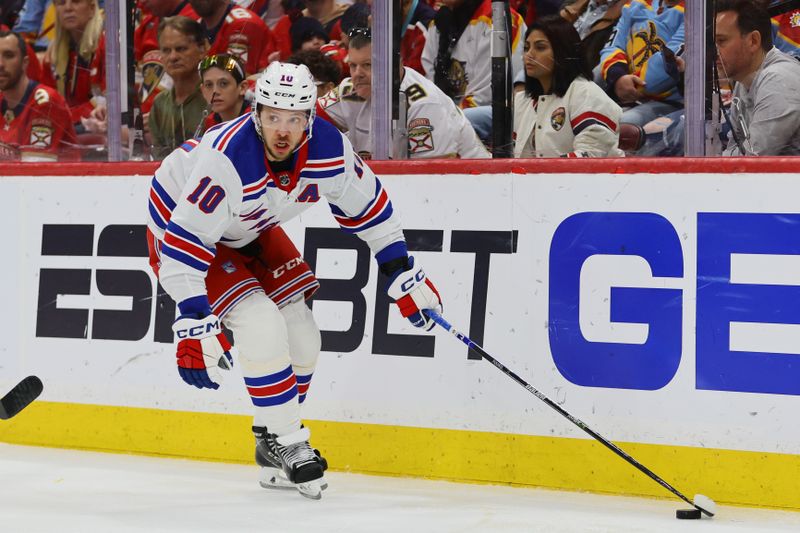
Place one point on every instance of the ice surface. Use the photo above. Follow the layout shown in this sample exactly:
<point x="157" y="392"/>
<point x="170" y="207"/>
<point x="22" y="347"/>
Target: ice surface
<point x="47" y="490"/>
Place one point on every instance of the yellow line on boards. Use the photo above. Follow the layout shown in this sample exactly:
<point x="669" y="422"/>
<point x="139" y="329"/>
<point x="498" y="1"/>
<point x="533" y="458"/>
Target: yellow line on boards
<point x="727" y="476"/>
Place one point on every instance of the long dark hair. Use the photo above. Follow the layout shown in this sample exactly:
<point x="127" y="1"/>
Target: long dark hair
<point x="569" y="59"/>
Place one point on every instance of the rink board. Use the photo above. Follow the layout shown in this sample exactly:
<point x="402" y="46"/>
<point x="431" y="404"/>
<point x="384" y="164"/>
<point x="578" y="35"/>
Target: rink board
<point x="659" y="308"/>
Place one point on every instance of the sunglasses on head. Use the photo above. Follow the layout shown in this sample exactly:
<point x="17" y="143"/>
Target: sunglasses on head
<point x="362" y="32"/>
<point x="225" y="62"/>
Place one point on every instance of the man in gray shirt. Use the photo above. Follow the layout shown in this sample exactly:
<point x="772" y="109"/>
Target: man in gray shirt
<point x="765" y="112"/>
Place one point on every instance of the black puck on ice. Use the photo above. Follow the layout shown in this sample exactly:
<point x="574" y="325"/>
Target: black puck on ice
<point x="688" y="514"/>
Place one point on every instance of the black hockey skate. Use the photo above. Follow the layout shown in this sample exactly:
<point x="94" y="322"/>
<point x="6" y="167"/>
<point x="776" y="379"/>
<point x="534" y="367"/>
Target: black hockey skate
<point x="288" y="462"/>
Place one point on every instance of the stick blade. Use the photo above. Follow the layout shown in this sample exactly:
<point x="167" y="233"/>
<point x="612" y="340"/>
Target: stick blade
<point x="20" y="396"/>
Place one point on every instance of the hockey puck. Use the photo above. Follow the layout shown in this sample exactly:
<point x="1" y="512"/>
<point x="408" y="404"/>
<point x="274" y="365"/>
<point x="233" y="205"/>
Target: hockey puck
<point x="688" y="514"/>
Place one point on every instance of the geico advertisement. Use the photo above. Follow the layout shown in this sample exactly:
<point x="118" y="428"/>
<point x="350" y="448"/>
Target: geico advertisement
<point x="657" y="308"/>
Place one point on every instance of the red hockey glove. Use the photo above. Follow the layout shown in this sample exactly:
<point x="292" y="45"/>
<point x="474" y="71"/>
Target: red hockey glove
<point x="413" y="292"/>
<point x="202" y="351"/>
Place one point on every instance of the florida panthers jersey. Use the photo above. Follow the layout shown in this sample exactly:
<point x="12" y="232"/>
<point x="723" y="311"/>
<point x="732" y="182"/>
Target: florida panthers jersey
<point x="221" y="191"/>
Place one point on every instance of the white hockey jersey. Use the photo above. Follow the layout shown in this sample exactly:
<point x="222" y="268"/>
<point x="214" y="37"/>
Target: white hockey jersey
<point x="436" y="127"/>
<point x="471" y="65"/>
<point x="220" y="191"/>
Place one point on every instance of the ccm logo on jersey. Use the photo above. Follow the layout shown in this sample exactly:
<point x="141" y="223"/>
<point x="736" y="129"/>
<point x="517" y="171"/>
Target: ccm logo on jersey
<point x="196" y="331"/>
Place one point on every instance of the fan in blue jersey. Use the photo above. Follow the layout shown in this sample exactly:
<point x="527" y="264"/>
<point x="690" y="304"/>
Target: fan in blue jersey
<point x="216" y="207"/>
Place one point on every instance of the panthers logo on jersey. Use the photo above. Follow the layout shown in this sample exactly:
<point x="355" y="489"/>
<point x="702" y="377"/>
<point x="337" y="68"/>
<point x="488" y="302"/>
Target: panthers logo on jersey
<point x="644" y="44"/>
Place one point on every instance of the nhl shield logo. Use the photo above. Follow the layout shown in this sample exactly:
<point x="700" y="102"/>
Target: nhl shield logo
<point x="558" y="118"/>
<point x="283" y="179"/>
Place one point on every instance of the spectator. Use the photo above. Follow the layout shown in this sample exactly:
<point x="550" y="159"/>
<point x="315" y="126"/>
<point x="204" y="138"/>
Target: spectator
<point x="224" y="86"/>
<point x="235" y="30"/>
<point x="31" y="21"/>
<point x="325" y="70"/>
<point x="562" y="113"/>
<point x="457" y="54"/>
<point x="150" y="76"/>
<point x="35" y="124"/>
<point x="328" y="12"/>
<point x="145" y="36"/>
<point x="637" y="71"/>
<point x="595" y="21"/>
<point x="307" y="34"/>
<point x="74" y="64"/>
<point x="356" y="16"/>
<point x="765" y="111"/>
<point x="436" y="127"/>
<point x="533" y="9"/>
<point x="178" y="114"/>
<point x="785" y="30"/>
<point x="414" y="32"/>
<point x="8" y="16"/>
<point x="293" y="10"/>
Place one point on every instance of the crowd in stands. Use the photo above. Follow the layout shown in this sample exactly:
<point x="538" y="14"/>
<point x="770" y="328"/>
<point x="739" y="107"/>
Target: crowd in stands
<point x="592" y="78"/>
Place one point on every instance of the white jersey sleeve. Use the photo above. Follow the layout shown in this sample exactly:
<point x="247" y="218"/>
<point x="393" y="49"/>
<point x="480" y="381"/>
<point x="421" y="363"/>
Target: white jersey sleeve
<point x="204" y="209"/>
<point x="361" y="206"/>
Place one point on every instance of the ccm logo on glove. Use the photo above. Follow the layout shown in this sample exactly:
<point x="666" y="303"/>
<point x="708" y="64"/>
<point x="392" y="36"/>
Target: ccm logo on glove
<point x="413" y="294"/>
<point x="418" y="277"/>
<point x="200" y="331"/>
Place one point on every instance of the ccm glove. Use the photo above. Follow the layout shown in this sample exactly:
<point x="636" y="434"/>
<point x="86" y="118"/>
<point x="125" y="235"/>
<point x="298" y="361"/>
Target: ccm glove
<point x="202" y="350"/>
<point x="412" y="291"/>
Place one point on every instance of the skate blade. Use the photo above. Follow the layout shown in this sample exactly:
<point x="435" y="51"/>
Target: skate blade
<point x="275" y="479"/>
<point x="311" y="489"/>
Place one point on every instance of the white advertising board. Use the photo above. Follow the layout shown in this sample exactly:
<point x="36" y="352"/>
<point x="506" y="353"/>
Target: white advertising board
<point x="657" y="308"/>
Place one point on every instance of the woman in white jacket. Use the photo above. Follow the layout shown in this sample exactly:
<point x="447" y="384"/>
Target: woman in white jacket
<point x="561" y="113"/>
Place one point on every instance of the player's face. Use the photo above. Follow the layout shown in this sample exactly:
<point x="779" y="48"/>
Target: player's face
<point x="12" y="65"/>
<point x="206" y="8"/>
<point x="735" y="51"/>
<point x="180" y="53"/>
<point x="221" y="91"/>
<point x="538" y="56"/>
<point x="282" y="130"/>
<point x="360" y="61"/>
<point x="74" y="15"/>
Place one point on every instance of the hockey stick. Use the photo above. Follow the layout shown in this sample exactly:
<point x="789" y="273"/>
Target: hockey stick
<point x="436" y="317"/>
<point x="20" y="396"/>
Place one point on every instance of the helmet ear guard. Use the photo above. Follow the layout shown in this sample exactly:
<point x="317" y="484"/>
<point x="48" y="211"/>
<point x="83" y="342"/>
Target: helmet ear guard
<point x="285" y="86"/>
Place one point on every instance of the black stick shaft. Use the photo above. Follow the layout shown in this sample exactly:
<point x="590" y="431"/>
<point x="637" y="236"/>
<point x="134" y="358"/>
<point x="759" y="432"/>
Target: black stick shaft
<point x="530" y="388"/>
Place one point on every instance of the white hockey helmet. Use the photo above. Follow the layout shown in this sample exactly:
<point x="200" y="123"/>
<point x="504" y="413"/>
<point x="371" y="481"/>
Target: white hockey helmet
<point x="286" y="86"/>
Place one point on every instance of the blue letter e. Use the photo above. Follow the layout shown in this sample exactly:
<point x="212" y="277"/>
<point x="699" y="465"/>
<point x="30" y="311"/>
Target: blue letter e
<point x="647" y="366"/>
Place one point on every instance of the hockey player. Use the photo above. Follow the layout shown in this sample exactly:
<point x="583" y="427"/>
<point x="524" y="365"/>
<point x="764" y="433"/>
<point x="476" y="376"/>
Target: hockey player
<point x="35" y="124"/>
<point x="215" y="207"/>
<point x="436" y="127"/>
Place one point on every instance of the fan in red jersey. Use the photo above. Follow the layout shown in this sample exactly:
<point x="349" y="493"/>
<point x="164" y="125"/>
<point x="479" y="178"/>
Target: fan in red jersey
<point x="235" y="30"/>
<point x="35" y="123"/>
<point x="74" y="64"/>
